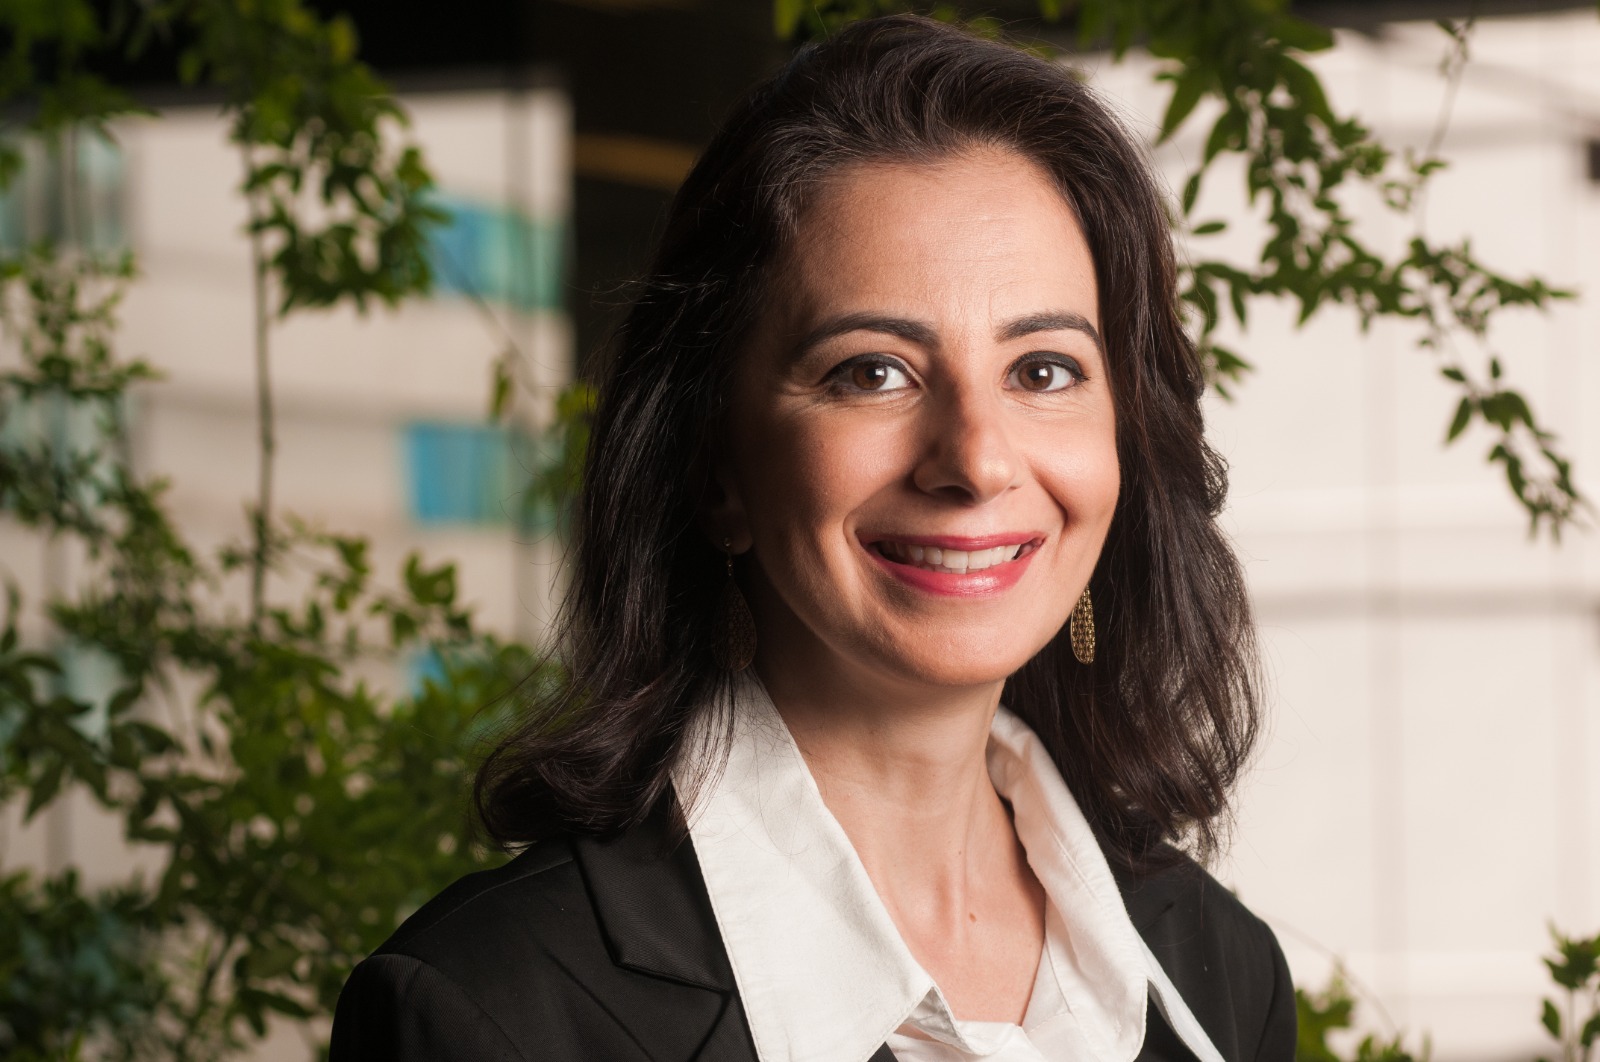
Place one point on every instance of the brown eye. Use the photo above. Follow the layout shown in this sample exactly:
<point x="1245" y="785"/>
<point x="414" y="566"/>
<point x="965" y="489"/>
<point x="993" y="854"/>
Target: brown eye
<point x="1042" y="375"/>
<point x="1037" y="377"/>
<point x="870" y="374"/>
<point x="869" y="377"/>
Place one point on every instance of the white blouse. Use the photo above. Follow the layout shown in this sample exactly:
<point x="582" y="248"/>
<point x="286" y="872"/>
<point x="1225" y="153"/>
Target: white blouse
<point x="822" y="971"/>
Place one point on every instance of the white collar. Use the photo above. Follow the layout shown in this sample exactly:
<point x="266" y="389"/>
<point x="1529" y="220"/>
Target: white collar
<point x="822" y="971"/>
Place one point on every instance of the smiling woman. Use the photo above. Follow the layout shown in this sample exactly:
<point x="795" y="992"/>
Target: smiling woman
<point x="905" y="655"/>
<point x="946" y="397"/>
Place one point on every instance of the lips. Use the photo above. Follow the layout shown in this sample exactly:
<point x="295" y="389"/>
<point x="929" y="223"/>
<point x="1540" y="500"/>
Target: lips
<point x="958" y="566"/>
<point x="950" y="560"/>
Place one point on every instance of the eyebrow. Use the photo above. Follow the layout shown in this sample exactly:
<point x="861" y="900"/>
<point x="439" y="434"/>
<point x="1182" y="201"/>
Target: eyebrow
<point x="1052" y="321"/>
<point x="899" y="327"/>
<point x="924" y="335"/>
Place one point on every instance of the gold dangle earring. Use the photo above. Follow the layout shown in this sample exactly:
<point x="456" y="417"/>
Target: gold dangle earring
<point x="1081" y="629"/>
<point x="733" y="640"/>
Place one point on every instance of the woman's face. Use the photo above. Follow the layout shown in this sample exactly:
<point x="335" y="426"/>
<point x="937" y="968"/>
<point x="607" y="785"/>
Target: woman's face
<point x="921" y="447"/>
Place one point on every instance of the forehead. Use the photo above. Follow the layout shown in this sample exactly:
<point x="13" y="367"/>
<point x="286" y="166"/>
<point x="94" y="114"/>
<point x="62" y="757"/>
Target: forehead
<point x="985" y="231"/>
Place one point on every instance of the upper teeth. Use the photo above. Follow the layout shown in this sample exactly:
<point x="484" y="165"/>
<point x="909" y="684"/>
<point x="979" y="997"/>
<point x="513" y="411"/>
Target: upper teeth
<point x="949" y="560"/>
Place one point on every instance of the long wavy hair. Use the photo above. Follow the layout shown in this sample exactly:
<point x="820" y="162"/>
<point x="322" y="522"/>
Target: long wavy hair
<point x="1151" y="736"/>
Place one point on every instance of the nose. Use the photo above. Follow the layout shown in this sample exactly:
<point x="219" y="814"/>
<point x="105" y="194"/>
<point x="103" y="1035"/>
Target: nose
<point x="968" y="454"/>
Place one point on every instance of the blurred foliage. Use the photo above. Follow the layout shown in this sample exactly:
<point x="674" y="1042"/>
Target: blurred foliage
<point x="296" y="809"/>
<point x="337" y="210"/>
<point x="318" y="127"/>
<point x="555" y="482"/>
<point x="1331" y="1011"/>
<point x="1236" y="69"/>
<point x="74" y="968"/>
<point x="1574" y="1022"/>
<point x="293" y="806"/>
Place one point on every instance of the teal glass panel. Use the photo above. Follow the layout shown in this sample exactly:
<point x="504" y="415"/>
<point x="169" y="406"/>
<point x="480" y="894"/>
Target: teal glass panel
<point x="458" y="473"/>
<point x="474" y="474"/>
<point x="495" y="253"/>
<point x="59" y="195"/>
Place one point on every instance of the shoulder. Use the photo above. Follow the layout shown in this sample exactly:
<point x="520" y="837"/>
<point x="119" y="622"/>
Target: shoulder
<point x="493" y="908"/>
<point x="1224" y="961"/>
<point x="582" y="947"/>
<point x="496" y="962"/>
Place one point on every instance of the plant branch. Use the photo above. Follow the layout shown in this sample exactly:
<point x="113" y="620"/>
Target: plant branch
<point x="261" y="518"/>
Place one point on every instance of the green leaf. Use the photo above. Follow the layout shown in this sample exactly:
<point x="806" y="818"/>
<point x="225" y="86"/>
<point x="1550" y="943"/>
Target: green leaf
<point x="500" y="393"/>
<point x="1459" y="422"/>
<point x="1226" y="132"/>
<point x="786" y="16"/>
<point x="1551" y="1018"/>
<point x="154" y="740"/>
<point x="190" y="66"/>
<point x="1303" y="36"/>
<point x="1210" y="228"/>
<point x="1591" y="1030"/>
<point x="273" y="960"/>
<point x="1191" y="192"/>
<point x="123" y="699"/>
<point x="45" y="789"/>
<point x="1307" y="89"/>
<point x="1579" y="960"/>
<point x="1187" y="88"/>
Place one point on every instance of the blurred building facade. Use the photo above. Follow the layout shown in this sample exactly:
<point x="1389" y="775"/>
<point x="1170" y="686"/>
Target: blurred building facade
<point x="1428" y="797"/>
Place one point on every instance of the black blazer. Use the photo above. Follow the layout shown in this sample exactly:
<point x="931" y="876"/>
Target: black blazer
<point x="607" y="951"/>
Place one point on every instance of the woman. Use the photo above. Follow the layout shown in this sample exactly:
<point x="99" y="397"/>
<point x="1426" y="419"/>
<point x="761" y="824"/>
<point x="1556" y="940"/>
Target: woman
<point x="902" y="425"/>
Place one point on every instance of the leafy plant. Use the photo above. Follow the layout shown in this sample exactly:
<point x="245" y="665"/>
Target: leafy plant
<point x="301" y="809"/>
<point x="300" y="802"/>
<point x="75" y="967"/>
<point x="1574" y="1022"/>
<point x="1332" y="1010"/>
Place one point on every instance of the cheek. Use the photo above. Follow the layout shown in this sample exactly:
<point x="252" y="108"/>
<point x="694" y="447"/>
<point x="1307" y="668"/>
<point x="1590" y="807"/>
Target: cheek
<point x="802" y="475"/>
<point x="1086" y="479"/>
<point x="1102" y="483"/>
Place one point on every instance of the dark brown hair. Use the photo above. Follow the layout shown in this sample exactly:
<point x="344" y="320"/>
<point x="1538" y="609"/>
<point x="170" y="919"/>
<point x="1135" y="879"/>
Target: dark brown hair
<point x="1152" y="735"/>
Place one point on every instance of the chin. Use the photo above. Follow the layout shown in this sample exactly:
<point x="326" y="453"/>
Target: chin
<point x="969" y="664"/>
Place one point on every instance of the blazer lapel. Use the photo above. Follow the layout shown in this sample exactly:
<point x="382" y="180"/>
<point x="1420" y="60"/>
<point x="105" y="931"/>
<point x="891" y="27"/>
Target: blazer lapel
<point x="651" y="903"/>
<point x="1147" y="898"/>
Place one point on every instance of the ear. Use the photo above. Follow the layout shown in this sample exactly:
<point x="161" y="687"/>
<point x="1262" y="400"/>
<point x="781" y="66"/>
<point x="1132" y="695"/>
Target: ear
<point x="722" y="513"/>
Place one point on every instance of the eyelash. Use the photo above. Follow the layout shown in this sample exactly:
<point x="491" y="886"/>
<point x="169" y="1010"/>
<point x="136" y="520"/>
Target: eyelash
<point x="838" y="378"/>
<point x="1068" y="365"/>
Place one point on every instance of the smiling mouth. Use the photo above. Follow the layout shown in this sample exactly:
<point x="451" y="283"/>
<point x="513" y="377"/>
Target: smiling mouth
<point x="952" y="561"/>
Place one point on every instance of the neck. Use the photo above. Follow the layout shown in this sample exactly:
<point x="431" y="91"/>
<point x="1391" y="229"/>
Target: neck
<point x="903" y="768"/>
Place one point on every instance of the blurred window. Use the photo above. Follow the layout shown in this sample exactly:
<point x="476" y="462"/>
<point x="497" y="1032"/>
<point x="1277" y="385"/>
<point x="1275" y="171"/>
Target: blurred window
<point x="495" y="253"/>
<point x="36" y="207"/>
<point x="89" y="675"/>
<point x="423" y="666"/>
<point x="465" y="473"/>
<point x="67" y="442"/>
